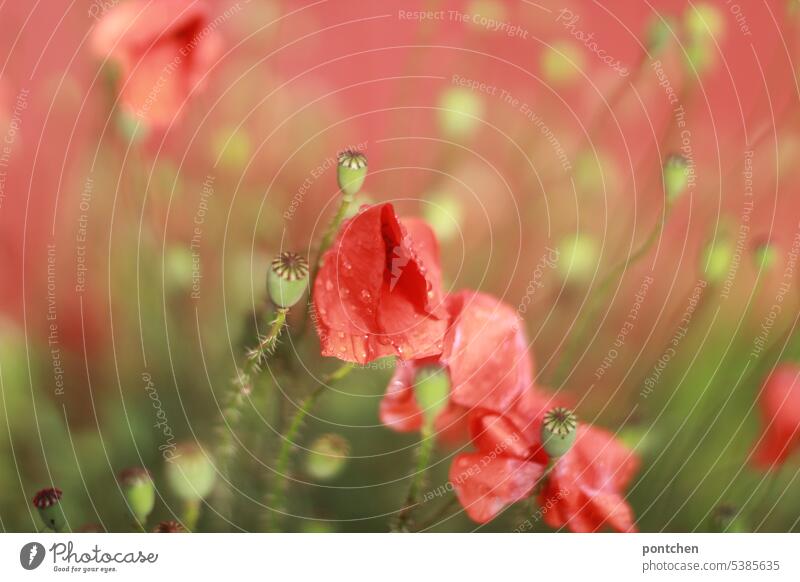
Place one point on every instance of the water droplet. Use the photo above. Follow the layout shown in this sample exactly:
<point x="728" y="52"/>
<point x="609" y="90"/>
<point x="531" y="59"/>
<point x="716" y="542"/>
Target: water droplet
<point x="341" y="335"/>
<point x="345" y="291"/>
<point x="348" y="266"/>
<point x="399" y="350"/>
<point x="365" y="295"/>
<point x="328" y="285"/>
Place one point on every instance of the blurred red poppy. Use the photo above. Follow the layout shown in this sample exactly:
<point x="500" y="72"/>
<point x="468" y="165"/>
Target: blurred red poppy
<point x="779" y="403"/>
<point x="161" y="50"/>
<point x="378" y="291"/>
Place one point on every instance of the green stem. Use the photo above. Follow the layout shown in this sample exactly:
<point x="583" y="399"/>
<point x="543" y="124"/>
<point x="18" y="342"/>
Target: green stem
<point x="191" y="514"/>
<point x="596" y="302"/>
<point x="333" y="227"/>
<point x="240" y="389"/>
<point x="276" y="493"/>
<point x="424" y="454"/>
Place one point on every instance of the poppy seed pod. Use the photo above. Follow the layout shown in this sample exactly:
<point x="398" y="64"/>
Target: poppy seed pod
<point x="327" y="456"/>
<point x="765" y="255"/>
<point x="559" y="430"/>
<point x="676" y="177"/>
<point x="48" y="502"/>
<point x="351" y="171"/>
<point x="190" y="473"/>
<point x="287" y="279"/>
<point x="140" y="494"/>
<point x="459" y="113"/>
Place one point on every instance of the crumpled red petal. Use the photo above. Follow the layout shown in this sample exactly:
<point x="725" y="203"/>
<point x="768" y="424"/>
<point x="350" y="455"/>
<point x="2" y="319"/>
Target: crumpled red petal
<point x="486" y="352"/>
<point x="375" y="295"/>
<point x="586" y="485"/>
<point x="486" y="484"/>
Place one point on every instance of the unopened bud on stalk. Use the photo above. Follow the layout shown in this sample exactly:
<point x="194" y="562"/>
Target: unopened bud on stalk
<point x="717" y="257"/>
<point x="765" y="255"/>
<point x="676" y="176"/>
<point x="287" y="279"/>
<point x="431" y="389"/>
<point x="190" y="473"/>
<point x="137" y="487"/>
<point x="704" y="25"/>
<point x="48" y="502"/>
<point x="577" y="257"/>
<point x="559" y="429"/>
<point x="460" y="111"/>
<point x="327" y="456"/>
<point x="351" y="171"/>
<point x="659" y="33"/>
<point x="169" y="527"/>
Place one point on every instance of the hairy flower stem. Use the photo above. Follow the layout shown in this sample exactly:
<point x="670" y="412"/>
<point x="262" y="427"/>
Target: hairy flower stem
<point x="276" y="493"/>
<point x="573" y="343"/>
<point x="191" y="514"/>
<point x="232" y="405"/>
<point x="403" y="523"/>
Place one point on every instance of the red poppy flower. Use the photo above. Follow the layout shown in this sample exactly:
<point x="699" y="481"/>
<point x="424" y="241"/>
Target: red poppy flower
<point x="485" y="352"/>
<point x="779" y="402"/>
<point x="504" y="470"/>
<point x="378" y="291"/>
<point x="162" y="50"/>
<point x="584" y="489"/>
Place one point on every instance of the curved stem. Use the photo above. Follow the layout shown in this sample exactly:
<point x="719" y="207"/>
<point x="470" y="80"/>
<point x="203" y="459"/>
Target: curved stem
<point x="276" y="493"/>
<point x="191" y="514"/>
<point x="424" y="454"/>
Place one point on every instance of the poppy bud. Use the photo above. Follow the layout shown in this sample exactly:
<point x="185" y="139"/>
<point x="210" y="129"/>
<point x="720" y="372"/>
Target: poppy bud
<point x="327" y="456"/>
<point x="351" y="171"/>
<point x="559" y="429"/>
<point x="562" y="63"/>
<point x="726" y="519"/>
<point x="169" y="527"/>
<point x="577" y="257"/>
<point x="287" y="279"/>
<point x="431" y="389"/>
<point x="659" y="33"/>
<point x="443" y="213"/>
<point x="137" y="487"/>
<point x="676" y="176"/>
<point x="704" y="26"/>
<point x="48" y="502"/>
<point x="459" y="113"/>
<point x="717" y="257"/>
<point x="190" y="473"/>
<point x="765" y="255"/>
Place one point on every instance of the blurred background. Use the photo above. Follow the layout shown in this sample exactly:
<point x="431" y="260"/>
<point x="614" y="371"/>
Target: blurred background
<point x="135" y="235"/>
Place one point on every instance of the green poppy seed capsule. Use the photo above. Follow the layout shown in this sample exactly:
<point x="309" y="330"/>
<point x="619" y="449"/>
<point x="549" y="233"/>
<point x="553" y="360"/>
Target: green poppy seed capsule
<point x="765" y="255"/>
<point x="190" y="473"/>
<point x="431" y="389"/>
<point x="137" y="487"/>
<point x="460" y="112"/>
<point x="717" y="258"/>
<point x="287" y="279"/>
<point x="559" y="429"/>
<point x="676" y="177"/>
<point x="327" y="456"/>
<point x="351" y="171"/>
<point x="48" y="502"/>
<point x="578" y="257"/>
